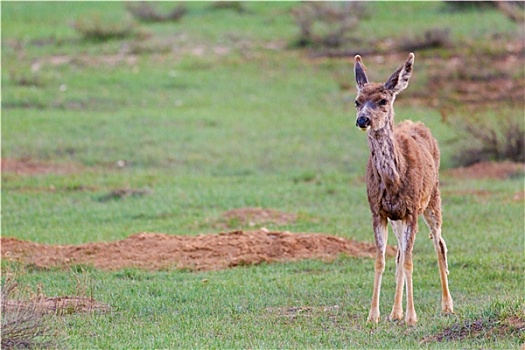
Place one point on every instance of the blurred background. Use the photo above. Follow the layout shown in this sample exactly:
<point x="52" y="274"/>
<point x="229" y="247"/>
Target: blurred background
<point x="167" y="114"/>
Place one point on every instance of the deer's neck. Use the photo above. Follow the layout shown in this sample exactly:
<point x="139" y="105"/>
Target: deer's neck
<point x="384" y="156"/>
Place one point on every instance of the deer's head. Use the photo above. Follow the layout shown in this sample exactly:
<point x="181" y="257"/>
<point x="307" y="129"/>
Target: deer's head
<point x="375" y="101"/>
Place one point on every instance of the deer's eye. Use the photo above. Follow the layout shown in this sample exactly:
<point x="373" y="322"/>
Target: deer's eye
<point x="383" y="102"/>
<point x="357" y="103"/>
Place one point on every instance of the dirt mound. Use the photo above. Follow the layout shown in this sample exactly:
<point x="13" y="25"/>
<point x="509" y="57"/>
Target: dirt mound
<point x="488" y="170"/>
<point x="154" y="251"/>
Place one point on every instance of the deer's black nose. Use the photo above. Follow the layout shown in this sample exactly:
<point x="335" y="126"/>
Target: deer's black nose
<point x="362" y="122"/>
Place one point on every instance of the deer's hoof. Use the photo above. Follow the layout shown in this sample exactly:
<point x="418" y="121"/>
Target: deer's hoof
<point x="373" y="316"/>
<point x="411" y="318"/>
<point x="447" y="306"/>
<point x="396" y="316"/>
<point x="411" y="321"/>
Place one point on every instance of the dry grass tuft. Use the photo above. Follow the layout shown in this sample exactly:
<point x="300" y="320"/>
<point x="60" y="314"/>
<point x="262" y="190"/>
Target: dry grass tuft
<point x="121" y="193"/>
<point x="23" y="325"/>
<point x="27" y="315"/>
<point x="431" y="39"/>
<point x="144" y="11"/>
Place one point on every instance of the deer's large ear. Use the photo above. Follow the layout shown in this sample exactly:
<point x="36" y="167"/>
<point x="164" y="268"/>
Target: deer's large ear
<point x="399" y="80"/>
<point x="360" y="75"/>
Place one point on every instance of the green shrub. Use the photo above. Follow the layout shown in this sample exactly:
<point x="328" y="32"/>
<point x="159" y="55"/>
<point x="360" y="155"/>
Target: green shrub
<point x="326" y="24"/>
<point x="96" y="28"/>
<point x="486" y="140"/>
<point x="237" y="6"/>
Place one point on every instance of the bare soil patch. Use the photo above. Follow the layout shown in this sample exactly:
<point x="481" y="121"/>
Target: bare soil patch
<point x="154" y="251"/>
<point x="476" y="77"/>
<point x="255" y="216"/>
<point x="470" y="192"/>
<point x="479" y="328"/>
<point x="295" y="311"/>
<point x="519" y="196"/>
<point x="31" y="167"/>
<point x="488" y="170"/>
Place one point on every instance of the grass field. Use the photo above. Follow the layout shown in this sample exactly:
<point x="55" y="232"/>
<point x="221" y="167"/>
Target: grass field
<point x="217" y="112"/>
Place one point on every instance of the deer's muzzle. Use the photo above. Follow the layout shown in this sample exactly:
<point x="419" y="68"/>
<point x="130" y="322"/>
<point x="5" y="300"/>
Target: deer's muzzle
<point x="363" y="123"/>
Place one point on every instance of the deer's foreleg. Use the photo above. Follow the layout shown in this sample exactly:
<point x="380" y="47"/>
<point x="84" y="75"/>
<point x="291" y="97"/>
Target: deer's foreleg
<point x="397" y="309"/>
<point x="380" y="233"/>
<point x="407" y="244"/>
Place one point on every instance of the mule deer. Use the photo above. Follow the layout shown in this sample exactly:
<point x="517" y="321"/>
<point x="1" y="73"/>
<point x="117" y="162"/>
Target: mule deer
<point x="402" y="183"/>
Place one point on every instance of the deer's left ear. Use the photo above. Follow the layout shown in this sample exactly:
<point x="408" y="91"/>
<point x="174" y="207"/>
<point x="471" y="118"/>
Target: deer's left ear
<point x="399" y="80"/>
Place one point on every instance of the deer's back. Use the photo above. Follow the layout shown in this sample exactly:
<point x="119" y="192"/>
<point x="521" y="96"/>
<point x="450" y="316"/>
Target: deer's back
<point x="421" y="140"/>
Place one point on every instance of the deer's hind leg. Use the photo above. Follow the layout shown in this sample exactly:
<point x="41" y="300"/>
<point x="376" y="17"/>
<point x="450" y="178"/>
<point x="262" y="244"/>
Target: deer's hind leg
<point x="433" y="219"/>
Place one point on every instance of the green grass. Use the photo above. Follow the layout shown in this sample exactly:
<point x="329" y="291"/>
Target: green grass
<point x="305" y="304"/>
<point x="207" y="133"/>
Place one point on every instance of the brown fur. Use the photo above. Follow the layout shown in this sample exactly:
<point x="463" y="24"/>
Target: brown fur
<point x="402" y="186"/>
<point x="402" y="183"/>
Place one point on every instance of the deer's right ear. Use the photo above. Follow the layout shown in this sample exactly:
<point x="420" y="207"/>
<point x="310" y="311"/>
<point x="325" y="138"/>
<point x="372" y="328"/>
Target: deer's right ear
<point x="360" y="75"/>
